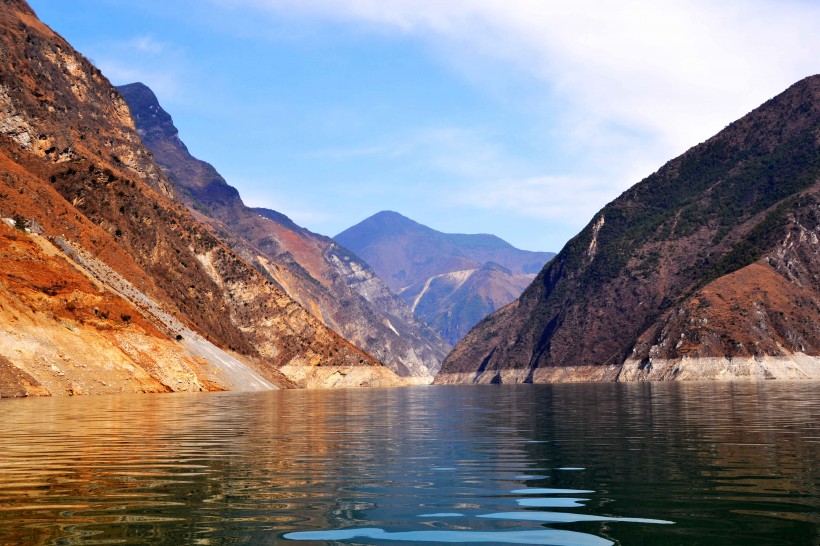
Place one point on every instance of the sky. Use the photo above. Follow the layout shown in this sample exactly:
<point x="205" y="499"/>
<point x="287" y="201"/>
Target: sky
<point x="520" y="118"/>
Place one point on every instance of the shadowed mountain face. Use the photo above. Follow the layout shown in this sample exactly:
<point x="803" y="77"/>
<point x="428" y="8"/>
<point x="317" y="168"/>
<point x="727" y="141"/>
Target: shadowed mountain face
<point x="115" y="286"/>
<point x="707" y="269"/>
<point x="450" y="281"/>
<point x="332" y="283"/>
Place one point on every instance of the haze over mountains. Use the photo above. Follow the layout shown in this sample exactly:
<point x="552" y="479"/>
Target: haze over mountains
<point x="450" y="281"/>
<point x="708" y="269"/>
<point x="330" y="282"/>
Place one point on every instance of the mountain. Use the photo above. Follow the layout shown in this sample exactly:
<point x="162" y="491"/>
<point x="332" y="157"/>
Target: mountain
<point x="325" y="278"/>
<point x="707" y="269"/>
<point x="450" y="281"/>
<point x="109" y="284"/>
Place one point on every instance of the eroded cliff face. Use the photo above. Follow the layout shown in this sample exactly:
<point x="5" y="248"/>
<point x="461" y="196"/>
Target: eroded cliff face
<point x="760" y="322"/>
<point x="63" y="333"/>
<point x="72" y="164"/>
<point x="332" y="283"/>
<point x="705" y="270"/>
<point x="455" y="301"/>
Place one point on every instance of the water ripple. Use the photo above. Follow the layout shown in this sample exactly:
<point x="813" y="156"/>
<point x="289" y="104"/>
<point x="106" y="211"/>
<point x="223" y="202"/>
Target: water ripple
<point x="570" y="464"/>
<point x="535" y="536"/>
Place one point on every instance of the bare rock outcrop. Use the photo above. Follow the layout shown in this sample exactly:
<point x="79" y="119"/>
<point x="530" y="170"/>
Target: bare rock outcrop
<point x="72" y="162"/>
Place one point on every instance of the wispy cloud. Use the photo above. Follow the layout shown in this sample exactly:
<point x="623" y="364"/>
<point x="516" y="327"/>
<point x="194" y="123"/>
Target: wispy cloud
<point x="261" y="193"/>
<point x="147" y="44"/>
<point x="460" y="151"/>
<point x="164" y="83"/>
<point x="565" y="199"/>
<point x="340" y="154"/>
<point x="641" y="78"/>
<point x="144" y="59"/>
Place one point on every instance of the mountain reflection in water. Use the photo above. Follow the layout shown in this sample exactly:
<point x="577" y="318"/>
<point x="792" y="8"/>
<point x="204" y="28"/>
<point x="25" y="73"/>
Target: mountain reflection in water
<point x="565" y="464"/>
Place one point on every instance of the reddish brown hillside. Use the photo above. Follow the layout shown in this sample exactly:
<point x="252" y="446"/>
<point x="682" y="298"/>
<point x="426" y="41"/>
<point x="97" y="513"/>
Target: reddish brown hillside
<point x="712" y="257"/>
<point x="329" y="281"/>
<point x="72" y="162"/>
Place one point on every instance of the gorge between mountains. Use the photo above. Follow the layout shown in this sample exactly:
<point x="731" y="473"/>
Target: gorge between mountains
<point x="128" y="265"/>
<point x="655" y="381"/>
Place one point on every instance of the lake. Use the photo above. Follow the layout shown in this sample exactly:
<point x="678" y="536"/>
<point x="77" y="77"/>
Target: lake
<point x="581" y="465"/>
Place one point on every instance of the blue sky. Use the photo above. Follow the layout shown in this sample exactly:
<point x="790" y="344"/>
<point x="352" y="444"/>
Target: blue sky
<point x="520" y="118"/>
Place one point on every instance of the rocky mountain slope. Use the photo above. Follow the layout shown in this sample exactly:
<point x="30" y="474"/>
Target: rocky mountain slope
<point x="324" y="277"/>
<point x="115" y="286"/>
<point x="707" y="269"/>
<point x="450" y="281"/>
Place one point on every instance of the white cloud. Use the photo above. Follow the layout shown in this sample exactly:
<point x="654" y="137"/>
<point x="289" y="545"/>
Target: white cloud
<point x="459" y="151"/>
<point x="261" y="193"/>
<point x="147" y="44"/>
<point x="624" y="85"/>
<point x="676" y="71"/>
<point x="164" y="83"/>
<point x="565" y="199"/>
<point x="142" y="59"/>
<point x="351" y="153"/>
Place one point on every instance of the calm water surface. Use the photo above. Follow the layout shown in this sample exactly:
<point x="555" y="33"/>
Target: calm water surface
<point x="585" y="465"/>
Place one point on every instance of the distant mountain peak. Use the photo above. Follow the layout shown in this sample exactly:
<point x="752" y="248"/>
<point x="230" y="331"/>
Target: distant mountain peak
<point x="429" y="269"/>
<point x="139" y="88"/>
<point x="144" y="100"/>
<point x="323" y="277"/>
<point x="390" y="214"/>
<point x="388" y="221"/>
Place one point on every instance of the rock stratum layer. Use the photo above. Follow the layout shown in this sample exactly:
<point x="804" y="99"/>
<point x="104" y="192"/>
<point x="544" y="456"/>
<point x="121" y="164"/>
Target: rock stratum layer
<point x="450" y="281"/>
<point x="108" y="282"/>
<point x="324" y="277"/>
<point x="707" y="269"/>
